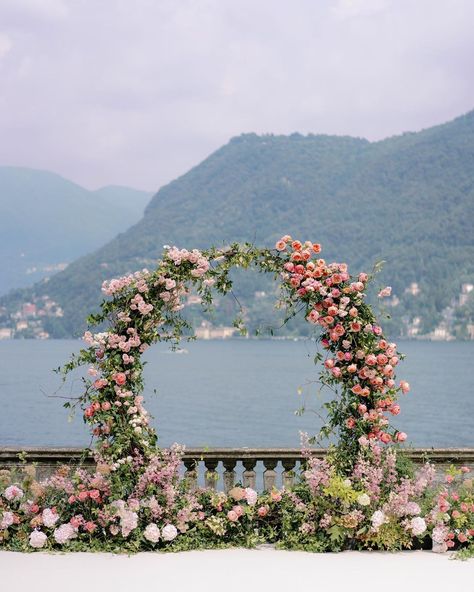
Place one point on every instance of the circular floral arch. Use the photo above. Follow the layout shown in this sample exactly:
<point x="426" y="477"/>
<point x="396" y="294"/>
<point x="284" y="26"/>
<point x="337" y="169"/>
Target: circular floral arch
<point x="144" y="308"/>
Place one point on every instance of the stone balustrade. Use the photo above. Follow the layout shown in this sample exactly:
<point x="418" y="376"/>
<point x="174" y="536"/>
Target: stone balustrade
<point x="221" y="468"/>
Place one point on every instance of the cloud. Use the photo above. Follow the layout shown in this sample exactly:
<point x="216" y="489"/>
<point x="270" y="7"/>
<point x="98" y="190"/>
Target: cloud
<point x="5" y="45"/>
<point x="137" y="93"/>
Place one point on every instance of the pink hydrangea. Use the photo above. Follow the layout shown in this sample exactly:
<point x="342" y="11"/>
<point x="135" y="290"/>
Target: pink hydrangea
<point x="251" y="496"/>
<point x="50" y="517"/>
<point x="64" y="533"/>
<point x="13" y="493"/>
<point x="7" y="520"/>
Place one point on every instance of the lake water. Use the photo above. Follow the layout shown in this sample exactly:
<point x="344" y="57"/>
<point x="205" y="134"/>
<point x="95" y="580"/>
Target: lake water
<point x="234" y="393"/>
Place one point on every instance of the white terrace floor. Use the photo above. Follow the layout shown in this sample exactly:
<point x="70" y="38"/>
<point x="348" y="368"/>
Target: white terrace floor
<point x="235" y="570"/>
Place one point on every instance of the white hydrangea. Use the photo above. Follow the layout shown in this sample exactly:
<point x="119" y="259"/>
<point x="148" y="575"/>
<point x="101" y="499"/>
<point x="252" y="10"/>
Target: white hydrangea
<point x="363" y="500"/>
<point x="169" y="532"/>
<point x="378" y="518"/>
<point x="152" y="533"/>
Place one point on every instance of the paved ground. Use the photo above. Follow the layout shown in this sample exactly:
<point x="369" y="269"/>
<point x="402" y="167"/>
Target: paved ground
<point x="235" y="570"/>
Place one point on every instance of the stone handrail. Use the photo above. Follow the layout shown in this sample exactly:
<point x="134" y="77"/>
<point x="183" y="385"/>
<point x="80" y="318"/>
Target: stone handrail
<point x="221" y="468"/>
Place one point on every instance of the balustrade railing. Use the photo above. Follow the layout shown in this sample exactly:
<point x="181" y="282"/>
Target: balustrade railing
<point x="222" y="468"/>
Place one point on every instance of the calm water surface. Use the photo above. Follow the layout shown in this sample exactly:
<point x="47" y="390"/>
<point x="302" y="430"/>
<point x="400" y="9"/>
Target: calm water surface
<point x="233" y="393"/>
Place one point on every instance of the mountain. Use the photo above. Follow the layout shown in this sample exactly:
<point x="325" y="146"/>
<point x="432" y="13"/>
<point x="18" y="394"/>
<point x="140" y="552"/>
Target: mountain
<point x="408" y="200"/>
<point x="47" y="221"/>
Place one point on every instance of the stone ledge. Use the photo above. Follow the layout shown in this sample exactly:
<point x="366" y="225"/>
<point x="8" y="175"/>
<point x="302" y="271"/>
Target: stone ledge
<point x="47" y="455"/>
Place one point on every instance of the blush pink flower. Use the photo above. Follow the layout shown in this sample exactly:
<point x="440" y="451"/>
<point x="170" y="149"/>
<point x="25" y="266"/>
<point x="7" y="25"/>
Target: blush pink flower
<point x="37" y="539"/>
<point x="232" y="516"/>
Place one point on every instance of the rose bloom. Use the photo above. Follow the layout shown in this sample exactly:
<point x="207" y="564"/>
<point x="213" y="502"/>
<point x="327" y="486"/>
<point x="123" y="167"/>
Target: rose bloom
<point x="232" y="516"/>
<point x="280" y="245"/>
<point x="120" y="378"/>
<point x="90" y="526"/>
<point x="262" y="511"/>
<point x="38" y="539"/>
<point x="152" y="533"/>
<point x="404" y="385"/>
<point x="238" y="510"/>
<point x="94" y="494"/>
<point x="275" y="496"/>
<point x="169" y="532"/>
<point x="237" y="493"/>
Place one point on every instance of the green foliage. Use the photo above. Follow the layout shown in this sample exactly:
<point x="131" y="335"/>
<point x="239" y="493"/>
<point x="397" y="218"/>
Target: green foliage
<point x="408" y="200"/>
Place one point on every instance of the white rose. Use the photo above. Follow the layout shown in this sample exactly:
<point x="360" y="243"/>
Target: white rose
<point x="152" y="533"/>
<point x="363" y="499"/>
<point x="169" y="532"/>
<point x="38" y="539"/>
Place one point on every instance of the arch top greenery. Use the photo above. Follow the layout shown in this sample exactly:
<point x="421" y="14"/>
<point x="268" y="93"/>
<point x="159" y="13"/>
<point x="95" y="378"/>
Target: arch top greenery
<point x="145" y="307"/>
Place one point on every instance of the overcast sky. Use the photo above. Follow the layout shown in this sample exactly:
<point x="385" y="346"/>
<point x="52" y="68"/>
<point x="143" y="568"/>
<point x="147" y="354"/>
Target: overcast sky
<point x="136" y="92"/>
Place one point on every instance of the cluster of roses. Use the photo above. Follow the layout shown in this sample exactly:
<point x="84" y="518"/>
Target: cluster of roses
<point x="112" y="401"/>
<point x="363" y="361"/>
<point x="452" y="516"/>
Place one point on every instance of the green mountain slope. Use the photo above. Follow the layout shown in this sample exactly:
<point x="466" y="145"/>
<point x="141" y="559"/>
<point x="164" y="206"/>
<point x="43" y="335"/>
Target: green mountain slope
<point x="46" y="220"/>
<point x="408" y="200"/>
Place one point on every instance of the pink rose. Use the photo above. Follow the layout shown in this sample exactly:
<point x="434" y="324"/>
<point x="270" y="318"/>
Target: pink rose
<point x="401" y="436"/>
<point x="232" y="516"/>
<point x="120" y="378"/>
<point x="404" y="385"/>
<point x="82" y="496"/>
<point x="280" y="245"/>
<point x="276" y="496"/>
<point x="238" y="510"/>
<point x="262" y="511"/>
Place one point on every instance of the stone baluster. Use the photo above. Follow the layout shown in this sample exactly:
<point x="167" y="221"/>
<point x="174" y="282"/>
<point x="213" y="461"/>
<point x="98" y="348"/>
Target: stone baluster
<point x="288" y="475"/>
<point x="211" y="476"/>
<point x="191" y="472"/>
<point x="249" y="477"/>
<point x="229" y="474"/>
<point x="269" y="474"/>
